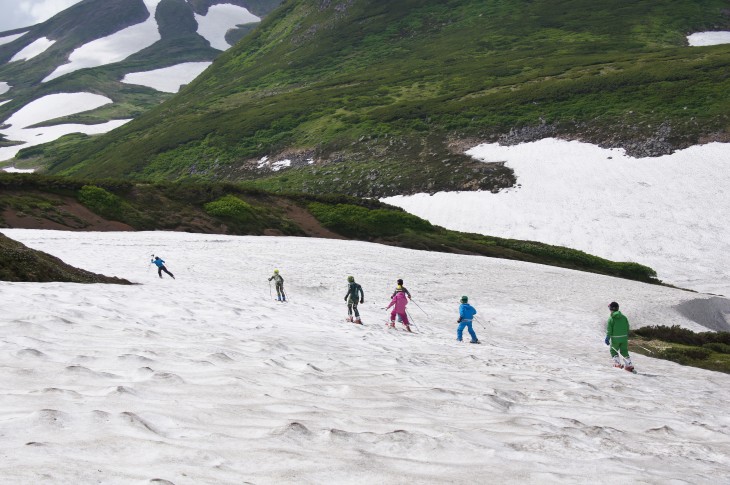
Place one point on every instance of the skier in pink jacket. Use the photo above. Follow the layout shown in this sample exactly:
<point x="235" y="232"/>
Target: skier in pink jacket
<point x="399" y="303"/>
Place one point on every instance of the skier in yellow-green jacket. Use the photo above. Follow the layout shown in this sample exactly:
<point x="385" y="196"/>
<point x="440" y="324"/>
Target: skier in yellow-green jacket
<point x="617" y="337"/>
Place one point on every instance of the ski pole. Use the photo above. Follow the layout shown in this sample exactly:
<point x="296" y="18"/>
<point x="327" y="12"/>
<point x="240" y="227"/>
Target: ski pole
<point x="412" y="321"/>
<point x="480" y="322"/>
<point x="270" y="295"/>
<point x="419" y="307"/>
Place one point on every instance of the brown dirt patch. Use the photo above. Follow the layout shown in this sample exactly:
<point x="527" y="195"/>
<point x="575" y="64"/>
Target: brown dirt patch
<point x="68" y="214"/>
<point x="307" y="222"/>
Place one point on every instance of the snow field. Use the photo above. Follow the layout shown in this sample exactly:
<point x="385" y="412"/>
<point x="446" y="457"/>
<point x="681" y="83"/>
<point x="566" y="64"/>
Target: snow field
<point x="113" y="48"/>
<point x="9" y="38"/>
<point x="205" y="379"/>
<point x="4" y="87"/>
<point x="34" y="49"/>
<point x="51" y="107"/>
<point x="168" y="79"/>
<point x="708" y="38"/>
<point x="220" y="19"/>
<point x="666" y="212"/>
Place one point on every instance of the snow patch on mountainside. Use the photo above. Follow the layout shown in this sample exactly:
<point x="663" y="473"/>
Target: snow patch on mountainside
<point x="167" y="79"/>
<point x="9" y="38"/>
<point x="168" y="381"/>
<point x="38" y="136"/>
<point x="113" y="48"/>
<point x="55" y="106"/>
<point x="668" y="212"/>
<point x="4" y="102"/>
<point x="4" y="88"/>
<point x="34" y="49"/>
<point x="47" y="108"/>
<point x="219" y="20"/>
<point x="708" y="38"/>
<point x="18" y="170"/>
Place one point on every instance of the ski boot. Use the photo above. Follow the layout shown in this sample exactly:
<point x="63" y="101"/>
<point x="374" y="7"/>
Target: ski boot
<point x="408" y="328"/>
<point x="348" y="319"/>
<point x="358" y="321"/>
<point x="474" y="342"/>
<point x="391" y="324"/>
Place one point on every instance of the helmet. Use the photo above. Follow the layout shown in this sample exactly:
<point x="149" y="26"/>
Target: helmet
<point x="276" y="271"/>
<point x="465" y="299"/>
<point x="400" y="282"/>
<point x="351" y="279"/>
<point x="613" y="306"/>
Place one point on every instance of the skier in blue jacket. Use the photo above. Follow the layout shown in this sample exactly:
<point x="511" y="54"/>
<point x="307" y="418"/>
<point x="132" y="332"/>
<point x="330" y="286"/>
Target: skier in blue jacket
<point x="160" y="263"/>
<point x="466" y="314"/>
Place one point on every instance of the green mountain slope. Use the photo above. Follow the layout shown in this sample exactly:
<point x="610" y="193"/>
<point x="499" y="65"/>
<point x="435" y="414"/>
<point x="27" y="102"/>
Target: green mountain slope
<point x="379" y="98"/>
<point x="90" y="20"/>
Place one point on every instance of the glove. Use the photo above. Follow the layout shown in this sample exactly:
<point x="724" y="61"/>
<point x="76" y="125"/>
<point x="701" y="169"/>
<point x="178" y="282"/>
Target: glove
<point x="608" y="340"/>
<point x="345" y="298"/>
<point x="362" y="301"/>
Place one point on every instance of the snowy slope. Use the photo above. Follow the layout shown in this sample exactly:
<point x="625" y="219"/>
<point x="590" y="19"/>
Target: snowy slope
<point x="205" y="379"/>
<point x="113" y="48"/>
<point x="219" y="20"/>
<point x="157" y="47"/>
<point x="667" y="212"/>
<point x="167" y="79"/>
<point x="699" y="39"/>
<point x="47" y="108"/>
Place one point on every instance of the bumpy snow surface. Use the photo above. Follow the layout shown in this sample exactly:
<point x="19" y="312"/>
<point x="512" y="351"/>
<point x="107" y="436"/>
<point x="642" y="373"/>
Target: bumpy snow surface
<point x="48" y="108"/>
<point x="667" y="212"/>
<point x="4" y="87"/>
<point x="9" y="38"/>
<point x="205" y="379"/>
<point x="167" y="79"/>
<point x="219" y="20"/>
<point x="708" y="38"/>
<point x="34" y="49"/>
<point x="113" y="48"/>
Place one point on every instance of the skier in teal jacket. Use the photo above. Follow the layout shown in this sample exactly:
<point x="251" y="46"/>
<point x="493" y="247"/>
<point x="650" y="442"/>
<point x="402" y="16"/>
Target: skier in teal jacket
<point x="466" y="315"/>
<point x="617" y="337"/>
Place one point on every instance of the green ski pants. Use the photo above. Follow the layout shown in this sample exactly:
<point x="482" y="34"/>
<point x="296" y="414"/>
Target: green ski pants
<point x="620" y="344"/>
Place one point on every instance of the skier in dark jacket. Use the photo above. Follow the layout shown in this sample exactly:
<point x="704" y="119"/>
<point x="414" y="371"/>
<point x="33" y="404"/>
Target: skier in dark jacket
<point x="354" y="293"/>
<point x="617" y="337"/>
<point x="279" y="280"/>
<point x="160" y="263"/>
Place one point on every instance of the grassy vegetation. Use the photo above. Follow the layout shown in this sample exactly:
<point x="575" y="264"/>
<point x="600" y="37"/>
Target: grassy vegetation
<point x="244" y="209"/>
<point x="389" y="84"/>
<point x="707" y="350"/>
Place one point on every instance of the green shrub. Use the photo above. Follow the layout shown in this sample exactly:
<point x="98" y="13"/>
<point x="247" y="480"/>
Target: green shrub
<point x="678" y="335"/>
<point x="356" y="221"/>
<point x="231" y="207"/>
<point x="101" y="202"/>
<point x="685" y="355"/>
<point x="718" y="347"/>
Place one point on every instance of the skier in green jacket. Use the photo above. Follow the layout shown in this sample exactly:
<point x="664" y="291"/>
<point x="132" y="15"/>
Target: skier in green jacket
<point x="354" y="293"/>
<point x="617" y="337"/>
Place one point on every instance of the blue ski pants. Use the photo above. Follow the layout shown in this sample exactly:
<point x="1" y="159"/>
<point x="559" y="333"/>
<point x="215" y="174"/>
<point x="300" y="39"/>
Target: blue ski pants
<point x="460" y="330"/>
